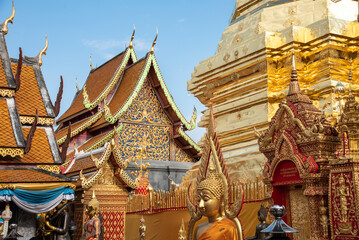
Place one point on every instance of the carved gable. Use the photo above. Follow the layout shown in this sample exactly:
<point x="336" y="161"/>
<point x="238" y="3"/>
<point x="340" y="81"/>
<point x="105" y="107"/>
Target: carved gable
<point x="146" y="108"/>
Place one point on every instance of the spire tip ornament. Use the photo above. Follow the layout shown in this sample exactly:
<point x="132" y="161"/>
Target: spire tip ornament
<point x="154" y="42"/>
<point x="43" y="51"/>
<point x="8" y="20"/>
<point x="91" y="63"/>
<point x="132" y="37"/>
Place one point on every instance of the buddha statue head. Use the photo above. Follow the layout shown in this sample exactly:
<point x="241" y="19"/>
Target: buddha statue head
<point x="92" y="208"/>
<point x="210" y="196"/>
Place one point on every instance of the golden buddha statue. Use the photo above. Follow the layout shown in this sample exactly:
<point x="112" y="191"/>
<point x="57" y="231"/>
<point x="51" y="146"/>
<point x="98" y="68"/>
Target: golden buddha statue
<point x="213" y="194"/>
<point x="92" y="228"/>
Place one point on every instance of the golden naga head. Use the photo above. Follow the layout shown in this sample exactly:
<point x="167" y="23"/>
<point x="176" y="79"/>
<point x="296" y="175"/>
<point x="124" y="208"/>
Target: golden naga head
<point x="93" y="206"/>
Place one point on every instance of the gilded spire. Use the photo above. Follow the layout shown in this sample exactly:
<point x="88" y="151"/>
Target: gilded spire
<point x="43" y="51"/>
<point x="154" y="42"/>
<point x="132" y="37"/>
<point x="294" y="87"/>
<point x="91" y="63"/>
<point x="8" y="20"/>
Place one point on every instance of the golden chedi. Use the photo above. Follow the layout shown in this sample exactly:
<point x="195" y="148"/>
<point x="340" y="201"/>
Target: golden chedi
<point x="213" y="193"/>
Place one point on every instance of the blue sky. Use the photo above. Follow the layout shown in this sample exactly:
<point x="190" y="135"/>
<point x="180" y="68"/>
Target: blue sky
<point x="189" y="32"/>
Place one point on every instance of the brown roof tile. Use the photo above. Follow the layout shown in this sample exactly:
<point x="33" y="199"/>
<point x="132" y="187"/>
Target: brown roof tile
<point x="84" y="163"/>
<point x="62" y="132"/>
<point x="27" y="176"/>
<point x="127" y="84"/>
<point x="40" y="151"/>
<point x="95" y="84"/>
<point x="7" y="138"/>
<point x="28" y="97"/>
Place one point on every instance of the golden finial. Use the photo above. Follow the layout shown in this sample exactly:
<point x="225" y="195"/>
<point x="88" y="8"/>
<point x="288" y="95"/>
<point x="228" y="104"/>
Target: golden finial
<point x="9" y="20"/>
<point x="43" y="51"/>
<point x="91" y="63"/>
<point x="77" y="86"/>
<point x="93" y="194"/>
<point x="154" y="42"/>
<point x="132" y="37"/>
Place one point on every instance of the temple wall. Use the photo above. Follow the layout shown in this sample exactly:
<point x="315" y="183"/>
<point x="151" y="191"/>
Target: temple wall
<point x="161" y="170"/>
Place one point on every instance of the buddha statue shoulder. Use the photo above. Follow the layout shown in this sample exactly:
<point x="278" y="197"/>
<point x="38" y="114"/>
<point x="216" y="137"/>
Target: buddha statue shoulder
<point x="213" y="191"/>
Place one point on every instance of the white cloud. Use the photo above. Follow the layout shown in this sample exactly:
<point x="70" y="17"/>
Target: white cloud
<point x="181" y="20"/>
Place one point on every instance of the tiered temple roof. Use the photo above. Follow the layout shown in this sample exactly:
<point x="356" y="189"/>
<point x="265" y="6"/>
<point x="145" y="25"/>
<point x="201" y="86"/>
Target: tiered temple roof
<point x="28" y="149"/>
<point x="127" y="98"/>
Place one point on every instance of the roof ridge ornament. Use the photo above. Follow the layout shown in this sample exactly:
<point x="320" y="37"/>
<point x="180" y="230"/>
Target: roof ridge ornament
<point x="294" y="87"/>
<point x="8" y="20"/>
<point x="92" y="68"/>
<point x="43" y="51"/>
<point x="77" y="86"/>
<point x="154" y="42"/>
<point x="132" y="37"/>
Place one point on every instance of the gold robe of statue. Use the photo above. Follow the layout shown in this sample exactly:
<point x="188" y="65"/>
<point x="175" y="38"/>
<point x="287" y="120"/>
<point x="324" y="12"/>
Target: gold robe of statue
<point x="225" y="230"/>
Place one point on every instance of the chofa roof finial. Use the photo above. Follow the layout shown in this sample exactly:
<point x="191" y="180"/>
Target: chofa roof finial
<point x="91" y="63"/>
<point x="154" y="42"/>
<point x="8" y="20"/>
<point x="43" y="51"/>
<point x="132" y="37"/>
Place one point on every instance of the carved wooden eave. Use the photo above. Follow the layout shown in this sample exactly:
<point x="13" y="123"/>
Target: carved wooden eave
<point x="110" y="149"/>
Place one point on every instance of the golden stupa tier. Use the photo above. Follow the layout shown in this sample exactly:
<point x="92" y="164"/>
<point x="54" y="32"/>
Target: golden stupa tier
<point x="249" y="75"/>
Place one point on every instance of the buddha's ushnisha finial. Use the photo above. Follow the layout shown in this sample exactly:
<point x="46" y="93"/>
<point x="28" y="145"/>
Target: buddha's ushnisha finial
<point x="132" y="37"/>
<point x="91" y="63"/>
<point x="154" y="42"/>
<point x="43" y="51"/>
<point x="8" y="20"/>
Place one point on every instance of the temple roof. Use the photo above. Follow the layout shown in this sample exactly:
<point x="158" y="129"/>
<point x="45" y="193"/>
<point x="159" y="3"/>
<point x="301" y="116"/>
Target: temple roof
<point x="117" y="102"/>
<point x="27" y="145"/>
<point x="98" y="84"/>
<point x="32" y="93"/>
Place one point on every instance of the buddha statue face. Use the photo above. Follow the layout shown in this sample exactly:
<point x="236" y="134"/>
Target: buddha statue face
<point x="210" y="196"/>
<point x="208" y="204"/>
